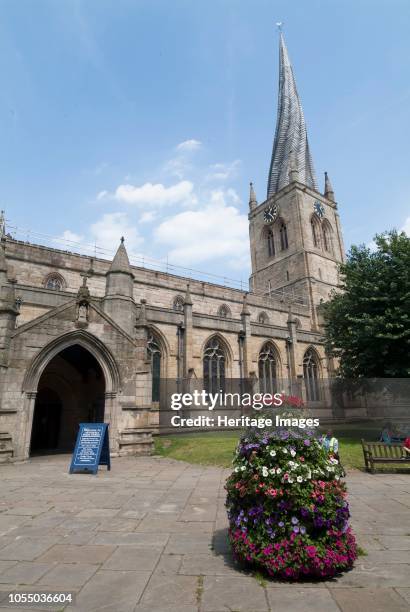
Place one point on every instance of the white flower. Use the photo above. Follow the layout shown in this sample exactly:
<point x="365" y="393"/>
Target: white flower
<point x="309" y="474"/>
<point x="265" y="471"/>
<point x="284" y="450"/>
<point x="272" y="470"/>
<point x="273" y="453"/>
<point x="278" y="471"/>
<point x="299" y="479"/>
<point x="291" y="463"/>
<point x="243" y="468"/>
<point x="292" y="452"/>
<point x="290" y="480"/>
<point x="237" y="469"/>
<point x="333" y="460"/>
<point x="337" y="477"/>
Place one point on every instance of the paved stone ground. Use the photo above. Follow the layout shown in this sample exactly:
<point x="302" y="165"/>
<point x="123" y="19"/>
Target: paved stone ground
<point x="150" y="536"/>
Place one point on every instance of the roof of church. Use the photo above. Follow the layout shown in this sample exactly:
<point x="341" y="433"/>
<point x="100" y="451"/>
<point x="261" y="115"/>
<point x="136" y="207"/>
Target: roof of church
<point x="121" y="263"/>
<point x="290" y="136"/>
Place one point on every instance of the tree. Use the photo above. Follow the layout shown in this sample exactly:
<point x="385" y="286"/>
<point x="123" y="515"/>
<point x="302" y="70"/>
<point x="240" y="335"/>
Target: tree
<point x="367" y="324"/>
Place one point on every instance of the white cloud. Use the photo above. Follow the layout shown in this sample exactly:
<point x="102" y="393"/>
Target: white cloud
<point x="102" y="194"/>
<point x="178" y="166"/>
<point x="147" y="217"/>
<point x="181" y="164"/>
<point x="107" y="231"/>
<point x="70" y="236"/>
<point x="224" y="172"/>
<point x="217" y="231"/>
<point x="157" y="194"/>
<point x="189" y="145"/>
<point x="406" y="227"/>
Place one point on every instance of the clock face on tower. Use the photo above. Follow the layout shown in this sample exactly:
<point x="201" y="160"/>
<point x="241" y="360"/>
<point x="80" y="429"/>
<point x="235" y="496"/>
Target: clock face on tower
<point x="270" y="213"/>
<point x="319" y="209"/>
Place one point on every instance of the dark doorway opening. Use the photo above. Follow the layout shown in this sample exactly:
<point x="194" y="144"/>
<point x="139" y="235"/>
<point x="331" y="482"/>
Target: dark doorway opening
<point x="70" y="391"/>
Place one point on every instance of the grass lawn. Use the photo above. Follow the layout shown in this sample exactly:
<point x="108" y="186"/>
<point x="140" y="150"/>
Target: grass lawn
<point x="217" y="447"/>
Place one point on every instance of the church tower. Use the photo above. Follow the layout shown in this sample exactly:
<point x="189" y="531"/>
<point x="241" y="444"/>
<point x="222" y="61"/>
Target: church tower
<point x="295" y="234"/>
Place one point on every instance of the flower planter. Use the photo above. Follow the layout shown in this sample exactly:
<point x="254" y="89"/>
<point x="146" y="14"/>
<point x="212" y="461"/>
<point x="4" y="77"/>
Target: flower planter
<point x="287" y="507"/>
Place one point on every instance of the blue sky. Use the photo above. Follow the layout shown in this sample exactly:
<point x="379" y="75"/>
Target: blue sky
<point x="149" y="118"/>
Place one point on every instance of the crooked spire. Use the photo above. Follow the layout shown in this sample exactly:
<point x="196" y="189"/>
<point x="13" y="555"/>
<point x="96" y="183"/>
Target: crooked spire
<point x="290" y="147"/>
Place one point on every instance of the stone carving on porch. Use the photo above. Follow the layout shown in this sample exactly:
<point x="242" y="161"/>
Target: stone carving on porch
<point x="83" y="299"/>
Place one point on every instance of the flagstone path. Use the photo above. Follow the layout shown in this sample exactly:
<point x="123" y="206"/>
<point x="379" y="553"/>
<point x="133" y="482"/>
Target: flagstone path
<point x="150" y="536"/>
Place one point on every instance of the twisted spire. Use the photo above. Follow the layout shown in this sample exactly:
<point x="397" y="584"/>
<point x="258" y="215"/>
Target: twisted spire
<point x="290" y="135"/>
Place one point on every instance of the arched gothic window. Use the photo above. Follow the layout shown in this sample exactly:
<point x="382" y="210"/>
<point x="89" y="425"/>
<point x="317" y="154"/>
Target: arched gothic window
<point x="271" y="243"/>
<point x="315" y="232"/>
<point x="268" y="368"/>
<point x="224" y="311"/>
<point x="214" y="366"/>
<point x="55" y="282"/>
<point x="263" y="318"/>
<point x="283" y="232"/>
<point x="311" y="375"/>
<point x="178" y="304"/>
<point x="154" y="354"/>
<point x="327" y="237"/>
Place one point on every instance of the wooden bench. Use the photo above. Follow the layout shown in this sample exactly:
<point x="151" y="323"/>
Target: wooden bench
<point x="379" y="452"/>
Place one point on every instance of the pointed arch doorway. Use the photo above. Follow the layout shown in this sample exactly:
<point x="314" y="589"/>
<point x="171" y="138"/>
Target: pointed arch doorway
<point x="71" y="390"/>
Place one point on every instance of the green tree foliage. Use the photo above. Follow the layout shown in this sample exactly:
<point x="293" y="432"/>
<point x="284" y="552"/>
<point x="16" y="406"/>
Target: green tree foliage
<point x="368" y="323"/>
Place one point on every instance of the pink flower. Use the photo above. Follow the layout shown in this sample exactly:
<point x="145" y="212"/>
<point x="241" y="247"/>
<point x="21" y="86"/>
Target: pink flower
<point x="311" y="551"/>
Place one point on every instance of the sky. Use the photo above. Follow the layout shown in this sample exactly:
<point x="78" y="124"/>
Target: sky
<point x="148" y="119"/>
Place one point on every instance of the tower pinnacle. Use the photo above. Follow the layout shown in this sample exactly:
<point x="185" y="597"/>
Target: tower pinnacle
<point x="290" y="134"/>
<point x="329" y="193"/>
<point x="252" y="197"/>
<point x="121" y="263"/>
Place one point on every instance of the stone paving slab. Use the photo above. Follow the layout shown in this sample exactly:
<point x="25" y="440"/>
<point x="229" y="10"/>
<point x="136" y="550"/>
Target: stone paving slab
<point x="71" y="553"/>
<point x="239" y="593"/>
<point x="298" y="599"/>
<point x="68" y="576"/>
<point x="376" y="600"/>
<point x="151" y="536"/>
<point x="167" y="590"/>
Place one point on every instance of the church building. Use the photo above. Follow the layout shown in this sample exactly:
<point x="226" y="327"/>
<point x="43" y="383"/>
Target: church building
<point x="85" y="340"/>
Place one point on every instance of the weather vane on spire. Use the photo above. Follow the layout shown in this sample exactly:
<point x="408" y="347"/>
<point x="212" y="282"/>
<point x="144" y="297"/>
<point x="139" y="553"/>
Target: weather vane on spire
<point x="279" y="25"/>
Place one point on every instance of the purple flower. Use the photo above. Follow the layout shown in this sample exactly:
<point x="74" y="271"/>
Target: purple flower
<point x="306" y="442"/>
<point x="281" y="524"/>
<point x="296" y="529"/>
<point x="294" y="520"/>
<point x="303" y="530"/>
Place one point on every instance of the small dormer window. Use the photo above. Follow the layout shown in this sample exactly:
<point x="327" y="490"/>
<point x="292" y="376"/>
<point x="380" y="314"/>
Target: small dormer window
<point x="55" y="282"/>
<point x="224" y="311"/>
<point x="178" y="304"/>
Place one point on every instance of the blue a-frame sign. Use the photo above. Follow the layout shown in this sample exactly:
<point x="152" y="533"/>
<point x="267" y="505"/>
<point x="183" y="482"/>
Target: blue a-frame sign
<point x="92" y="448"/>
